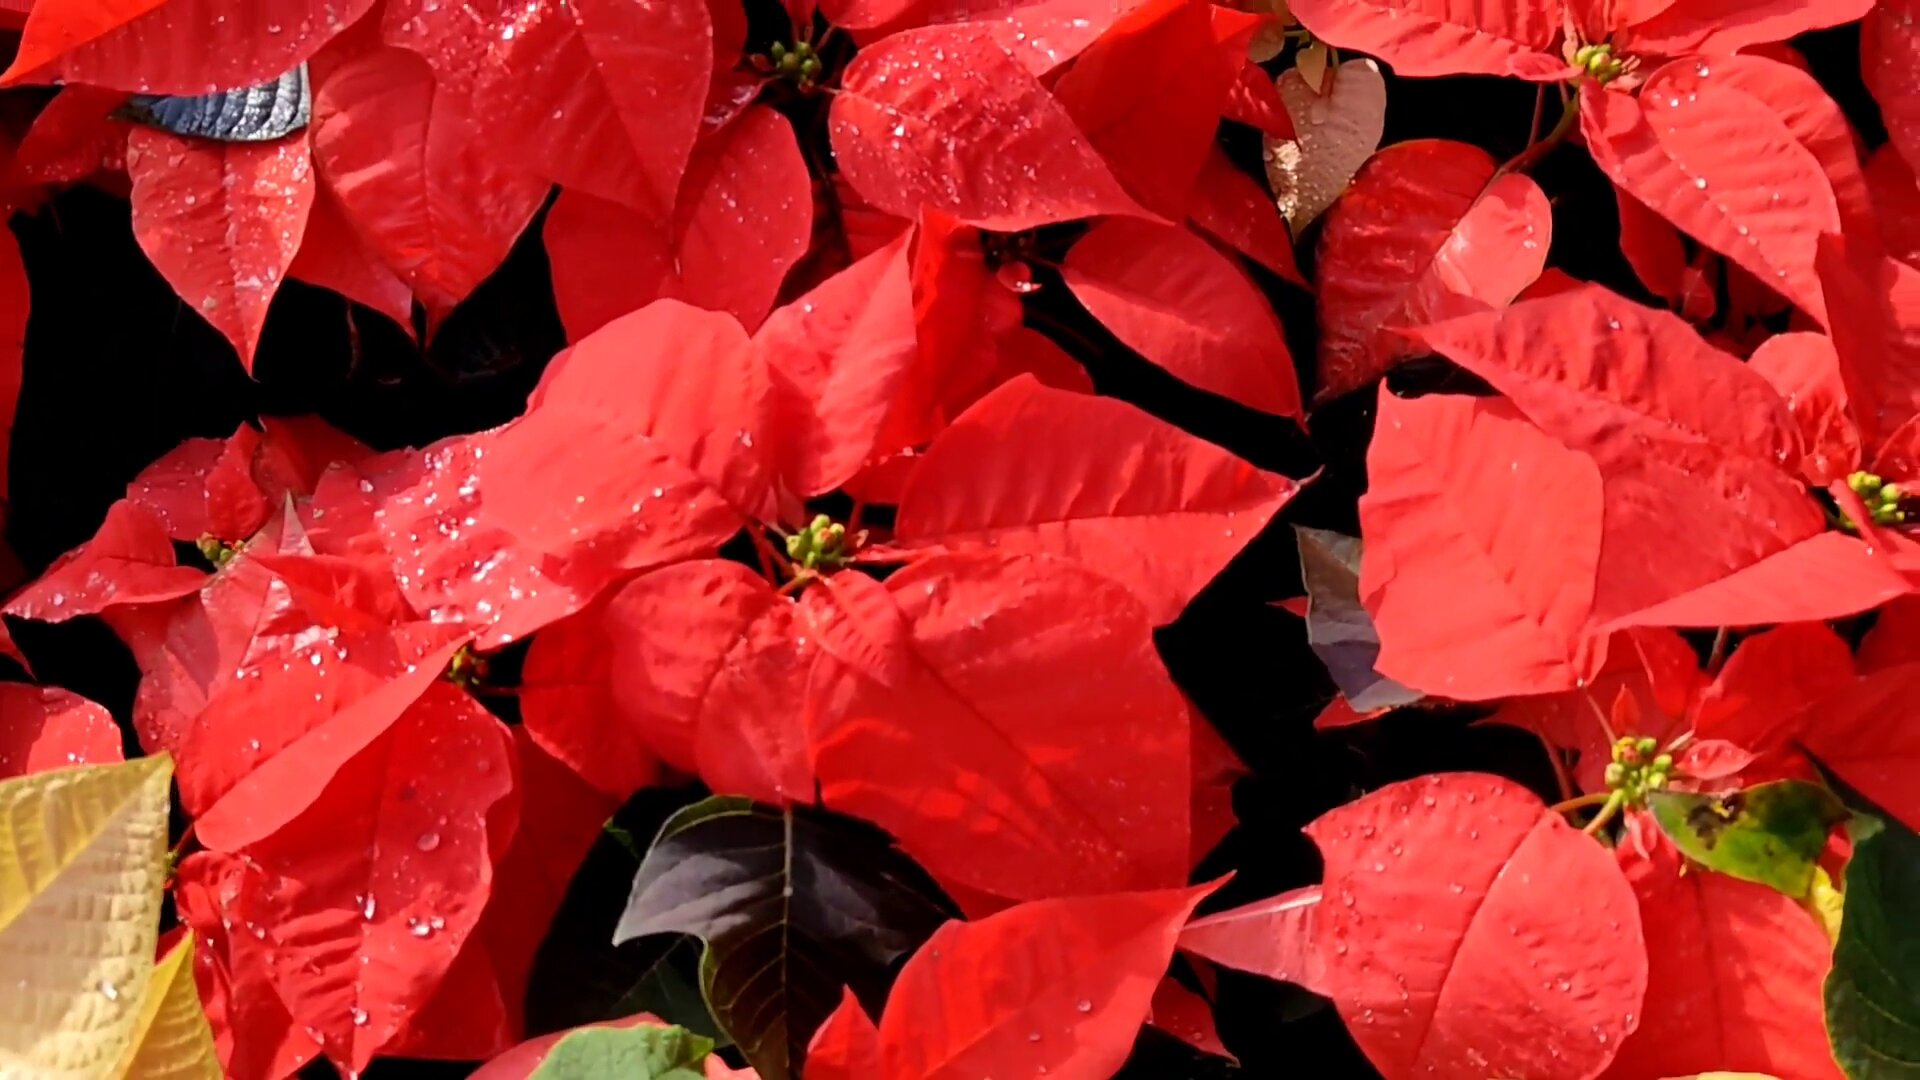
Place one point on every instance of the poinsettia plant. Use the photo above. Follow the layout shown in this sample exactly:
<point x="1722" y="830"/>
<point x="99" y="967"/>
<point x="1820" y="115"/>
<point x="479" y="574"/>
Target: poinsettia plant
<point x="889" y="539"/>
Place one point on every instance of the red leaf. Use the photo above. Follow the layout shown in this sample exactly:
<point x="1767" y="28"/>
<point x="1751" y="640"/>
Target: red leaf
<point x="846" y="1046"/>
<point x="709" y="666"/>
<point x="1734" y="972"/>
<point x="601" y="95"/>
<point x="43" y="728"/>
<point x="1672" y="424"/>
<point x="639" y="445"/>
<point x="1422" y="38"/>
<point x="221" y="222"/>
<point x="393" y="864"/>
<point x="414" y="176"/>
<point x="71" y="139"/>
<point x="253" y="1033"/>
<point x="946" y="118"/>
<point x="1425" y="231"/>
<point x="1896" y="199"/>
<point x="566" y="703"/>
<point x="1760" y="698"/>
<point x="1723" y="167"/>
<point x="174" y="46"/>
<point x="1727" y="26"/>
<point x="1862" y="735"/>
<point x="1072" y="745"/>
<point x="1828" y="575"/>
<point x="1805" y="370"/>
<point x="204" y="487"/>
<point x="1040" y="34"/>
<point x="744" y="218"/>
<point x="1890" y="61"/>
<point x="1148" y="93"/>
<point x="1234" y="209"/>
<point x="1174" y="299"/>
<point x="1272" y="937"/>
<point x="1080" y="971"/>
<point x="332" y="256"/>
<point x="1188" y="1017"/>
<point x="1035" y="470"/>
<point x="1459" y="933"/>
<point x="851" y="374"/>
<point x="15" y="301"/>
<point x="1482" y="535"/>
<point x="129" y="561"/>
<point x="1875" y="312"/>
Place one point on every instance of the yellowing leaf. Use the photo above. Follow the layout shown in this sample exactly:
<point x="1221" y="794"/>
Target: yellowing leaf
<point x="172" y="1040"/>
<point x="1336" y="132"/>
<point x="83" y="857"/>
<point x="1825" y="901"/>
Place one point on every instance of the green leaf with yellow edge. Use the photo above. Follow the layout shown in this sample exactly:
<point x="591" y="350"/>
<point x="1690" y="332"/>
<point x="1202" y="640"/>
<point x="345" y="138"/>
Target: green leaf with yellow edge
<point x="644" y="1052"/>
<point x="1826" y="903"/>
<point x="83" y="859"/>
<point x="173" y="1040"/>
<point x="1770" y="834"/>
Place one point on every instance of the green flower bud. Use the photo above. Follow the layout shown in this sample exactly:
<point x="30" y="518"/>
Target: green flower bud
<point x="1663" y="763"/>
<point x="1616" y="774"/>
<point x="1646" y="745"/>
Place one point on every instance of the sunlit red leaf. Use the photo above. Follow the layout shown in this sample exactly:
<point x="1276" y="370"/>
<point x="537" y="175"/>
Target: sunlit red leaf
<point x="44" y="728"/>
<point x="1072" y="744"/>
<point x="222" y="222"/>
<point x="1860" y="736"/>
<point x="1273" y="937"/>
<point x="1426" y="231"/>
<point x="129" y="561"/>
<point x="1104" y="477"/>
<point x="743" y="219"/>
<point x="1468" y="930"/>
<point x="1890" y="61"/>
<point x="174" y="46"/>
<point x="1188" y="1017"/>
<point x="1482" y="536"/>
<point x="1174" y="299"/>
<point x="1734" y="972"/>
<point x="413" y="174"/>
<point x="1724" y="168"/>
<point x="1874" y="304"/>
<point x="945" y="117"/>
<point x="254" y="1035"/>
<point x="1896" y="199"/>
<point x="1727" y="26"/>
<point x="1442" y="37"/>
<point x="204" y="487"/>
<point x="1233" y="208"/>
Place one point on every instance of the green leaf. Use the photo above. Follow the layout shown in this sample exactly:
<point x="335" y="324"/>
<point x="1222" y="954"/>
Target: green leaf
<point x="792" y="906"/>
<point x="1771" y="834"/>
<point x="1338" y="627"/>
<point x="1873" y="990"/>
<point x="642" y="1052"/>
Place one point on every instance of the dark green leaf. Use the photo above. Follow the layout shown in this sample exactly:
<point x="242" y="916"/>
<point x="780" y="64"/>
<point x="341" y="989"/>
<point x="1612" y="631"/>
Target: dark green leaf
<point x="1873" y="991"/>
<point x="1338" y="627"/>
<point x="641" y="1052"/>
<point x="261" y="113"/>
<point x="1771" y="833"/>
<point x="792" y="906"/>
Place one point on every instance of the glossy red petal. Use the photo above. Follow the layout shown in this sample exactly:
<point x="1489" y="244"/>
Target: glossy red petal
<point x="566" y="706"/>
<point x="1727" y="26"/>
<point x="333" y="256"/>
<point x="846" y="1046"/>
<point x="221" y="222"/>
<point x="1425" y="231"/>
<point x="1896" y="200"/>
<point x="1482" y="538"/>
<point x="1672" y="424"/>
<point x="1035" y="470"/>
<point x="1862" y="736"/>
<point x="1072" y="745"/>
<point x="1734" y="973"/>
<point x="1874" y="303"/>
<point x="744" y="218"/>
<point x="44" y="728"/>
<point x="945" y="117"/>
<point x="1890" y="61"/>
<point x="1272" y="937"/>
<point x="1763" y="695"/>
<point x="1805" y="370"/>
<point x="1188" y="1017"/>
<point x="1442" y="37"/>
<point x="174" y="46"/>
<point x="1459" y="931"/>
<point x="1233" y="208"/>
<point x="129" y="561"/>
<point x="1174" y="299"/>
<point x="1723" y="167"/>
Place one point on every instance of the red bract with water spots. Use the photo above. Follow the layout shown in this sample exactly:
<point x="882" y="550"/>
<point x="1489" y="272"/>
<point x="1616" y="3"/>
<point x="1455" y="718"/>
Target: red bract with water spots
<point x="1108" y="538"/>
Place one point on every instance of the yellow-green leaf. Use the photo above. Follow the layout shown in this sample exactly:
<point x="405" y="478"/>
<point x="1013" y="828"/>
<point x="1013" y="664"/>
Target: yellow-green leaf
<point x="83" y="857"/>
<point x="172" y="1040"/>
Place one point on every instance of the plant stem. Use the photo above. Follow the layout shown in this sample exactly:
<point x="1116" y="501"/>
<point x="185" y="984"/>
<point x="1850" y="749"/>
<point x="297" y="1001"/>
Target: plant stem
<point x="1581" y="802"/>
<point x="1559" y="767"/>
<point x="1531" y="156"/>
<point x="1719" y="654"/>
<point x="1614" y="802"/>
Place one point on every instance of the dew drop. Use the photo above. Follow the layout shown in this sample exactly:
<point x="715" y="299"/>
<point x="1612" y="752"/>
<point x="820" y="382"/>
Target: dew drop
<point x="428" y="841"/>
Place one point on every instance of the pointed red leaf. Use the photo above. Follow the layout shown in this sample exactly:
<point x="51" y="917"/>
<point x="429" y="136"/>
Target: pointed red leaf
<point x="1734" y="972"/>
<point x="1805" y="369"/>
<point x="1862" y="734"/>
<point x="1236" y="210"/>
<point x="744" y="217"/>
<point x="413" y="174"/>
<point x="1031" y="469"/>
<point x="1763" y="694"/>
<point x="221" y="222"/>
<point x="1874" y="303"/>
<point x="847" y="1046"/>
<point x="1482" y="536"/>
<point x="332" y="256"/>
<point x="1174" y="299"/>
<point x="945" y="117"/>
<point x="1723" y="167"/>
<point x="1896" y="200"/>
<point x="601" y="95"/>
<point x="1082" y="972"/>
<point x="1188" y="1017"/>
<point x="1442" y="37"/>
<point x="1470" y="931"/>
<point x="1828" y="575"/>
<point x="1727" y="26"/>
<point x="129" y="561"/>
<point x="1272" y="937"/>
<point x="174" y="46"/>
<point x="1426" y="230"/>
<point x="44" y="728"/>
<point x="1072" y="745"/>
<point x="1673" y="425"/>
<point x="566" y="703"/>
<point x="1890" y="61"/>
